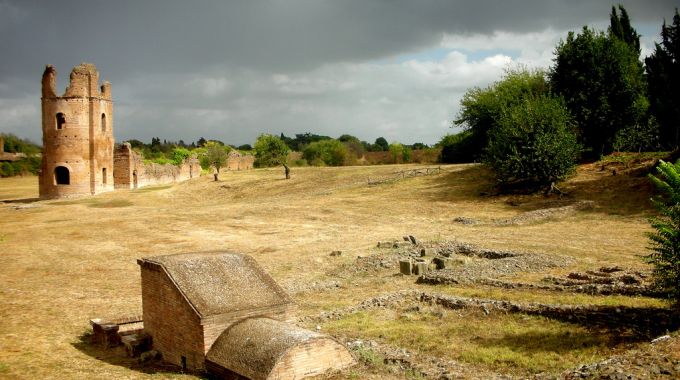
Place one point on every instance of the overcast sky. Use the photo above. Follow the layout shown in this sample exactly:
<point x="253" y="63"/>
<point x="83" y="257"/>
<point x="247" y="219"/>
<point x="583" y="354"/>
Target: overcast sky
<point x="230" y="70"/>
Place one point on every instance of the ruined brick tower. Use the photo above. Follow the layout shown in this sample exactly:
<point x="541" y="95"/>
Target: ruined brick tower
<point x="77" y="135"/>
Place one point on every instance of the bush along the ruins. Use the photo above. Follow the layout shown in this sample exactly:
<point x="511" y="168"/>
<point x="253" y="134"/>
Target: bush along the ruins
<point x="534" y="141"/>
<point x="665" y="239"/>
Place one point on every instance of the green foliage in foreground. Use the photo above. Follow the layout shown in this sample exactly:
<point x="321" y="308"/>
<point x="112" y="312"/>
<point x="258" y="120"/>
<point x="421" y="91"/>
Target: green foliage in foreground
<point x="665" y="240"/>
<point x="534" y="140"/>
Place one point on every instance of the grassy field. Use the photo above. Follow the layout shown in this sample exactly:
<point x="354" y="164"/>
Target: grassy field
<point x="64" y="262"/>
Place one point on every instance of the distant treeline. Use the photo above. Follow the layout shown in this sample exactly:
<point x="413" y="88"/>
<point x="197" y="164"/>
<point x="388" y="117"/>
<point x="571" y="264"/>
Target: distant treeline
<point x="24" y="165"/>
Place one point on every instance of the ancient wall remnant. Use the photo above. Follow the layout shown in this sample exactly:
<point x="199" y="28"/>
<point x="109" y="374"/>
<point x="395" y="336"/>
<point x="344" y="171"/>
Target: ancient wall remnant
<point x="77" y="135"/>
<point x="130" y="171"/>
<point x="238" y="161"/>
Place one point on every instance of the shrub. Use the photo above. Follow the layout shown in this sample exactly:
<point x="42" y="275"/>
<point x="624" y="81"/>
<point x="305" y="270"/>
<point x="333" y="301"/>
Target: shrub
<point x="179" y="155"/>
<point x="330" y="152"/>
<point x="534" y="140"/>
<point x="7" y="169"/>
<point x="665" y="240"/>
<point x="457" y="149"/>
<point x="162" y="161"/>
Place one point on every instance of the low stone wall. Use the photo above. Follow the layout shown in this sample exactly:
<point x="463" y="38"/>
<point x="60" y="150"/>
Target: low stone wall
<point x="130" y="171"/>
<point x="238" y="161"/>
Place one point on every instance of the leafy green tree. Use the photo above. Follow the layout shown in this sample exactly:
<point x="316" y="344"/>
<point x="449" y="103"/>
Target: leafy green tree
<point x="419" y="146"/>
<point x="663" y="81"/>
<point x="270" y="151"/>
<point x="601" y="79"/>
<point x="481" y="108"/>
<point x="396" y="151"/>
<point x="216" y="155"/>
<point x="382" y="143"/>
<point x="328" y="152"/>
<point x="620" y="28"/>
<point x="245" y="147"/>
<point x="458" y="148"/>
<point x="346" y="138"/>
<point x="535" y="141"/>
<point x="665" y="240"/>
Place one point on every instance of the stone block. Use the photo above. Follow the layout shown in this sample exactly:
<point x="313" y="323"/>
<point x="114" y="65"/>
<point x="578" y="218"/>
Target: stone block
<point x="106" y="335"/>
<point x="149" y="356"/>
<point x="459" y="260"/>
<point x="414" y="240"/>
<point x="427" y="252"/>
<point x="442" y="262"/>
<point x="405" y="267"/>
<point x="385" y="244"/>
<point x="420" y="269"/>
<point x="136" y="344"/>
<point x="406" y="238"/>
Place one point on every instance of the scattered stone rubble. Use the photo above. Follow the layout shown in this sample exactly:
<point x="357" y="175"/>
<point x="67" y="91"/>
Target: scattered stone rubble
<point x="538" y="215"/>
<point x="493" y="264"/>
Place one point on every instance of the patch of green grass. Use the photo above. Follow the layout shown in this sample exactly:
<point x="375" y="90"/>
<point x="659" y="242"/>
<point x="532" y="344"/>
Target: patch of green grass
<point x="3" y="367"/>
<point x="514" y="343"/>
<point x="112" y="204"/>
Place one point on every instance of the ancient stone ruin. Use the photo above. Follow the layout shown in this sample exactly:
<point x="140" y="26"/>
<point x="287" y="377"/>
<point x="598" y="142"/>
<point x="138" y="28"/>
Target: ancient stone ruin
<point x="77" y="135"/>
<point x="222" y="312"/>
<point x="79" y="157"/>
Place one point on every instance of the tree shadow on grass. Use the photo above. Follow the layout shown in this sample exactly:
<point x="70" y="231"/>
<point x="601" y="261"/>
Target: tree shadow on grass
<point x="558" y="342"/>
<point x="117" y="356"/>
<point x="24" y="200"/>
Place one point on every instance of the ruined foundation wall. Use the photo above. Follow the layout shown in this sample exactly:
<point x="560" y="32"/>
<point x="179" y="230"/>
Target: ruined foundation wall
<point x="237" y="161"/>
<point x="170" y="320"/>
<point x="130" y="171"/>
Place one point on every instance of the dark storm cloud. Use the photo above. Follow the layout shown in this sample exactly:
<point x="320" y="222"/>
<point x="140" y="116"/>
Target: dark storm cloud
<point x="272" y="35"/>
<point x="241" y="67"/>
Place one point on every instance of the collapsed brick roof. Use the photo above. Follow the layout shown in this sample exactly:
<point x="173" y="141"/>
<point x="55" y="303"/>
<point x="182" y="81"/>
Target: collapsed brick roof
<point x="219" y="282"/>
<point x="254" y="346"/>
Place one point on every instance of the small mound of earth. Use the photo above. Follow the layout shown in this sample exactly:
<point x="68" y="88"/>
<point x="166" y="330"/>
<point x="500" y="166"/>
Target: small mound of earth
<point x="524" y="262"/>
<point x="541" y="214"/>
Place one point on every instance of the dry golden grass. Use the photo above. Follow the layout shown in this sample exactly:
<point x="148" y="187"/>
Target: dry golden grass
<point x="68" y="261"/>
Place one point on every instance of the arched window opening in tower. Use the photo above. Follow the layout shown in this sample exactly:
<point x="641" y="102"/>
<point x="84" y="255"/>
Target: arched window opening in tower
<point x="103" y="122"/>
<point x="62" y="175"/>
<point x="61" y="120"/>
<point x="104" y="176"/>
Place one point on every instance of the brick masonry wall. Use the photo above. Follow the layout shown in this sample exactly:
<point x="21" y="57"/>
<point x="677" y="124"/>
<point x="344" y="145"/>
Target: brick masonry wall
<point x="80" y="145"/>
<point x="128" y="163"/>
<point x="236" y="161"/>
<point x="214" y="326"/>
<point x="312" y="358"/>
<point x="174" y="326"/>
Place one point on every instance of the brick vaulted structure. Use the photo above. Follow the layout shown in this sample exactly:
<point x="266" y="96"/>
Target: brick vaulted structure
<point x="77" y="135"/>
<point x="221" y="311"/>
